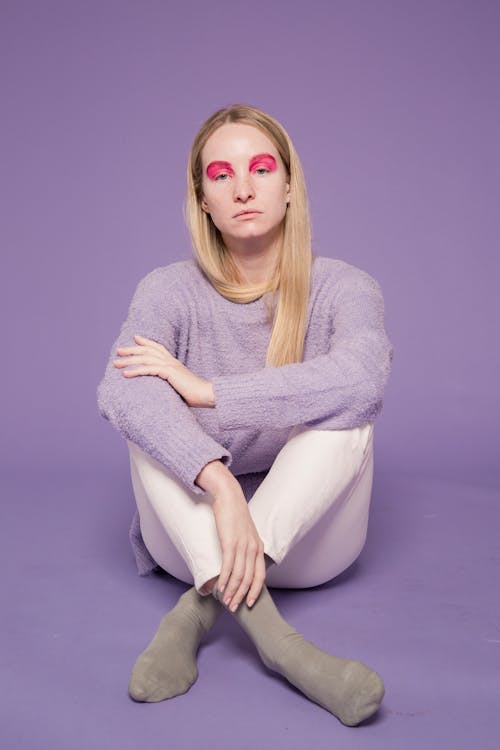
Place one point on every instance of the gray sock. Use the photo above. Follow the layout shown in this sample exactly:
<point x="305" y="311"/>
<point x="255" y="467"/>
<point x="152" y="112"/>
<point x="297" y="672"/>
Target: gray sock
<point x="168" y="665"/>
<point x="345" y="687"/>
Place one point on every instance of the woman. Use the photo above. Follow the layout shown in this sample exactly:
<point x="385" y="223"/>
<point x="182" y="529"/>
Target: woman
<point x="246" y="382"/>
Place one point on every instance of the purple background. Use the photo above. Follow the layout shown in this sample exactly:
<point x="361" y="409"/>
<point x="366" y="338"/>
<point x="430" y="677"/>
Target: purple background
<point x="394" y="110"/>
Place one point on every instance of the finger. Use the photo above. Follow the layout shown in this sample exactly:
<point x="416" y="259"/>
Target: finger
<point x="154" y="344"/>
<point x="129" y="351"/>
<point x="227" y="566"/>
<point x="258" y="580"/>
<point x="237" y="575"/>
<point x="146" y="370"/>
<point x="137" y="362"/>
<point x="143" y="358"/>
<point x="122" y="362"/>
<point x="124" y="350"/>
<point x="246" y="582"/>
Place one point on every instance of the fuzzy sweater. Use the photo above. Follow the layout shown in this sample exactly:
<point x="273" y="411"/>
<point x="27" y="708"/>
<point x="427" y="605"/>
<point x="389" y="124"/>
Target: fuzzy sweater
<point x="338" y="385"/>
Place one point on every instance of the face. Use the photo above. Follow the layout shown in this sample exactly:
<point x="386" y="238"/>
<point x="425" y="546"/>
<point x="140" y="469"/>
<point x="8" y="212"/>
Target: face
<point x="245" y="184"/>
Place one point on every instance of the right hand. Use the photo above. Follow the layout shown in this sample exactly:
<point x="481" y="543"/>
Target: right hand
<point x="243" y="569"/>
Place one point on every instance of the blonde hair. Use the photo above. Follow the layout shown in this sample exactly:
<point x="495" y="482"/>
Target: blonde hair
<point x="293" y="271"/>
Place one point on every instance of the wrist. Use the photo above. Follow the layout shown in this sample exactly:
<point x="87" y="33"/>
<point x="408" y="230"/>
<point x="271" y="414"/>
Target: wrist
<point x="216" y="479"/>
<point x="210" y="396"/>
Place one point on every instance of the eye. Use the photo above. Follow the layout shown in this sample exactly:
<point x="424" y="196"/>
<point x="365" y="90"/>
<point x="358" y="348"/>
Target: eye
<point x="263" y="164"/>
<point x="219" y="171"/>
<point x="261" y="170"/>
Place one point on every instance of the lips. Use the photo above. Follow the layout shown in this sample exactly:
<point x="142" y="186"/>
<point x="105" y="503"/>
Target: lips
<point x="247" y="212"/>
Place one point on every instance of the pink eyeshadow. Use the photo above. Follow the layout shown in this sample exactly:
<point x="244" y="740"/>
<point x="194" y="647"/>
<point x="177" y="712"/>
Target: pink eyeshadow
<point x="263" y="160"/>
<point x="217" y="167"/>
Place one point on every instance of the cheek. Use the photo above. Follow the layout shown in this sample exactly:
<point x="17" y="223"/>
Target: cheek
<point x="214" y="206"/>
<point x="279" y="198"/>
<point x="213" y="193"/>
<point x="215" y="212"/>
<point x="209" y="201"/>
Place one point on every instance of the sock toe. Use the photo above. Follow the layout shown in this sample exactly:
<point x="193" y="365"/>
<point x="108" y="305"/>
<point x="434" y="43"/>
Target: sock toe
<point x="365" y="700"/>
<point x="138" y="690"/>
<point x="149" y="691"/>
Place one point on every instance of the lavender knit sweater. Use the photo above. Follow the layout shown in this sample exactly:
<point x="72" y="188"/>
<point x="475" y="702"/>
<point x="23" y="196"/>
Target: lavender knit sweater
<point x="339" y="384"/>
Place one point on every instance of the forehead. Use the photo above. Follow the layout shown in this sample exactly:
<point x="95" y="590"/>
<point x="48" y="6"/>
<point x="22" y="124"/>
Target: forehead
<point x="236" y="140"/>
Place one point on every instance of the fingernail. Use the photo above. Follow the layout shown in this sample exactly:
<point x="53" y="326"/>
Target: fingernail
<point x="221" y="589"/>
<point x="251" y="602"/>
<point x="233" y="607"/>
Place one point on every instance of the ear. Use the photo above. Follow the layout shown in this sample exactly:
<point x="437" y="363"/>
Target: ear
<point x="204" y="204"/>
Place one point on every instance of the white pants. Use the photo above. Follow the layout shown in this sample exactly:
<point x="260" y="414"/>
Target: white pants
<point x="311" y="510"/>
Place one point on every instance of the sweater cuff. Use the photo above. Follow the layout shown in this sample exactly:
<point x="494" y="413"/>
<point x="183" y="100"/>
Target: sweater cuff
<point x="194" y="461"/>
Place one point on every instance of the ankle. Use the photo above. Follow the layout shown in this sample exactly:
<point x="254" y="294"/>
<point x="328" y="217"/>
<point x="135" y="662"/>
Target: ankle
<point x="284" y="648"/>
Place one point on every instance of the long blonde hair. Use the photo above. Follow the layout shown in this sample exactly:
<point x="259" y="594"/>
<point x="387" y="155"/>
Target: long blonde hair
<point x="293" y="272"/>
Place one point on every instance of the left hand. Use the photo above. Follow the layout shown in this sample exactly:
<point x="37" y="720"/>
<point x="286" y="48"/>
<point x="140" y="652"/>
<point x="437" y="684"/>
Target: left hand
<point x="151" y="358"/>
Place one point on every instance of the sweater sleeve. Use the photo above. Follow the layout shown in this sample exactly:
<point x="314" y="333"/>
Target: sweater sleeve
<point x="146" y="409"/>
<point x="341" y="389"/>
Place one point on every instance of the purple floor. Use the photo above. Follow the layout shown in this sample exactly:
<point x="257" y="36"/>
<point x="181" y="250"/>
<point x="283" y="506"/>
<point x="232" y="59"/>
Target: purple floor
<point x="421" y="606"/>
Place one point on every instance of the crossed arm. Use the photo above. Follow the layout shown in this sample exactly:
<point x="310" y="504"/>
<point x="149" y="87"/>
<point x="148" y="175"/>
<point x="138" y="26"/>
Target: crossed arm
<point x="150" y="358"/>
<point x="243" y="568"/>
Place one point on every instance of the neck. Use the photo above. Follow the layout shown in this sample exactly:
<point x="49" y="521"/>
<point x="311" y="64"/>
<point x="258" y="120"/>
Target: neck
<point x="255" y="260"/>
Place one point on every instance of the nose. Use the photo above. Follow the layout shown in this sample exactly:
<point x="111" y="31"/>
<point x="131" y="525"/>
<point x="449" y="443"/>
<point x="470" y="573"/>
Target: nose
<point x="243" y="189"/>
